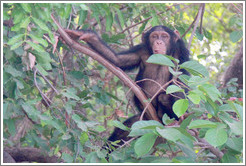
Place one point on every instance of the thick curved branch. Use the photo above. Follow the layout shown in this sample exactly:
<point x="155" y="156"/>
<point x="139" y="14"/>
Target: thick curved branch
<point x="29" y="154"/>
<point x="151" y="113"/>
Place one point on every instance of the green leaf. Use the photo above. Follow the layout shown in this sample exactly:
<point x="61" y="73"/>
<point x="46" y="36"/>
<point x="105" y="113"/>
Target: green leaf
<point x="144" y="144"/>
<point x="84" y="137"/>
<point x="198" y="35"/>
<point x="121" y="18"/>
<point x="160" y="59"/>
<point x="236" y="127"/>
<point x="10" y="124"/>
<point x="67" y="157"/>
<point x="41" y="24"/>
<point x="173" y="89"/>
<point x="166" y="119"/>
<point x="236" y="36"/>
<point x="235" y="144"/>
<point x="66" y="136"/>
<point x="139" y="132"/>
<point x="154" y="20"/>
<point x="187" y="150"/>
<point x="196" y="80"/>
<point x="16" y="27"/>
<point x="184" y="78"/>
<point x="15" y="39"/>
<point x="202" y="124"/>
<point x="36" y="46"/>
<point x="120" y="125"/>
<point x="11" y="70"/>
<point x="79" y="122"/>
<point x="18" y="18"/>
<point x="82" y="17"/>
<point x="146" y="124"/>
<point x="174" y="73"/>
<point x="109" y="21"/>
<point x="229" y="157"/>
<point x="216" y="136"/>
<point x="186" y="122"/>
<point x="211" y="91"/>
<point x="43" y="58"/>
<point x="70" y="94"/>
<point x="27" y="7"/>
<point x="195" y="68"/>
<point x="171" y="134"/>
<point x="84" y="7"/>
<point x="180" y="106"/>
<point x="16" y="45"/>
<point x="237" y="108"/>
<point x="55" y="124"/>
<point x="39" y="40"/>
<point x="194" y="98"/>
<point x="208" y="35"/>
<point x="41" y="70"/>
<point x="201" y="56"/>
<point x="25" y="22"/>
<point x="67" y="10"/>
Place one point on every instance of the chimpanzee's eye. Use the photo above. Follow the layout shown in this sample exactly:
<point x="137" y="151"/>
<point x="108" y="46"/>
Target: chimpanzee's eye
<point x="154" y="36"/>
<point x="164" y="36"/>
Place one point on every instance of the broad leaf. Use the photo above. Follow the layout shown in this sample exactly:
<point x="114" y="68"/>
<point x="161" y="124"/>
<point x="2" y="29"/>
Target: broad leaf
<point x="216" y="136"/>
<point x="173" y="89"/>
<point x="146" y="124"/>
<point x="144" y="144"/>
<point x="202" y="124"/>
<point x="160" y="59"/>
<point x="171" y="134"/>
<point x="120" y="125"/>
<point x="195" y="68"/>
<point x="36" y="46"/>
<point x="236" y="36"/>
<point x="194" y="98"/>
<point x="180" y="106"/>
<point x="15" y="39"/>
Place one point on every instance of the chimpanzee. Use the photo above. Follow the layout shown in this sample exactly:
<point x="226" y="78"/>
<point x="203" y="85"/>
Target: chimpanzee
<point x="158" y="40"/>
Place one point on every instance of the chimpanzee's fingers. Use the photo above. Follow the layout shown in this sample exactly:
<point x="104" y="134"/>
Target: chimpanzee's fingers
<point x="86" y="36"/>
<point x="74" y="34"/>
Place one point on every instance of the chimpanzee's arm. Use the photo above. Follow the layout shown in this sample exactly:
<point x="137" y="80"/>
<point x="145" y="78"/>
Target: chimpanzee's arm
<point x="125" y="60"/>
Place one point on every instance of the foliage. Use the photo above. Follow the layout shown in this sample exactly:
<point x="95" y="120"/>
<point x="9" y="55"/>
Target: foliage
<point x="65" y="103"/>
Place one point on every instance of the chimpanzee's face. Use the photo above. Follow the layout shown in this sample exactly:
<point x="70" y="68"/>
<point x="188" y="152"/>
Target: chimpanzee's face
<point x="159" y="41"/>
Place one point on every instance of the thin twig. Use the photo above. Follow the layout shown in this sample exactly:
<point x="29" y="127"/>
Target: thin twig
<point x="203" y="9"/>
<point x="63" y="68"/>
<point x="195" y="26"/>
<point x="47" y="81"/>
<point x="163" y="87"/>
<point x="141" y="21"/>
<point x="237" y="8"/>
<point x="189" y="26"/>
<point x="40" y="91"/>
<point x="127" y="142"/>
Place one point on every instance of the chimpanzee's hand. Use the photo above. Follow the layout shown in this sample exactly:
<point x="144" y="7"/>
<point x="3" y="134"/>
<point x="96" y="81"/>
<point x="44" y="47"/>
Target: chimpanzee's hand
<point x="85" y="35"/>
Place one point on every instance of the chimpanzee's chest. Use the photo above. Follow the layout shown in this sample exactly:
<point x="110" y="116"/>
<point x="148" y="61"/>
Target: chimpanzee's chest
<point x="158" y="73"/>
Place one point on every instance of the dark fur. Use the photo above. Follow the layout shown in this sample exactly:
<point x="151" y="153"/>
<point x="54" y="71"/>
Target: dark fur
<point x="136" y="57"/>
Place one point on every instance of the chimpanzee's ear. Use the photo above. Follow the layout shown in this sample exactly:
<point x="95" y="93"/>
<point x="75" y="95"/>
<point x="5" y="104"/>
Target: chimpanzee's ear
<point x="143" y="37"/>
<point x="177" y="35"/>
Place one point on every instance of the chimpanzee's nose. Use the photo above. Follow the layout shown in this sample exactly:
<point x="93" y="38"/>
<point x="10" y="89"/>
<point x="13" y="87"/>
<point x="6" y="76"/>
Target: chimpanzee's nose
<point x="159" y="42"/>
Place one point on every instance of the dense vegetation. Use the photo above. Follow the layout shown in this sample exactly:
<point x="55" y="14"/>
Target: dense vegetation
<point x="61" y="102"/>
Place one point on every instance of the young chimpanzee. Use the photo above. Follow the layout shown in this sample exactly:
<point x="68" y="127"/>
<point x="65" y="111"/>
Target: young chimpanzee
<point x="158" y="40"/>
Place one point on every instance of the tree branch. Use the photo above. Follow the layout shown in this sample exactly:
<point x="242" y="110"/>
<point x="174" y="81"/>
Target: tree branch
<point x="151" y="113"/>
<point x="30" y="154"/>
<point x="195" y="26"/>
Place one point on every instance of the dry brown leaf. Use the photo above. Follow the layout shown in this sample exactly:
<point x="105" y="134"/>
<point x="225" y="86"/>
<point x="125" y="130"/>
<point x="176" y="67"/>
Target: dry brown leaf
<point x="32" y="60"/>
